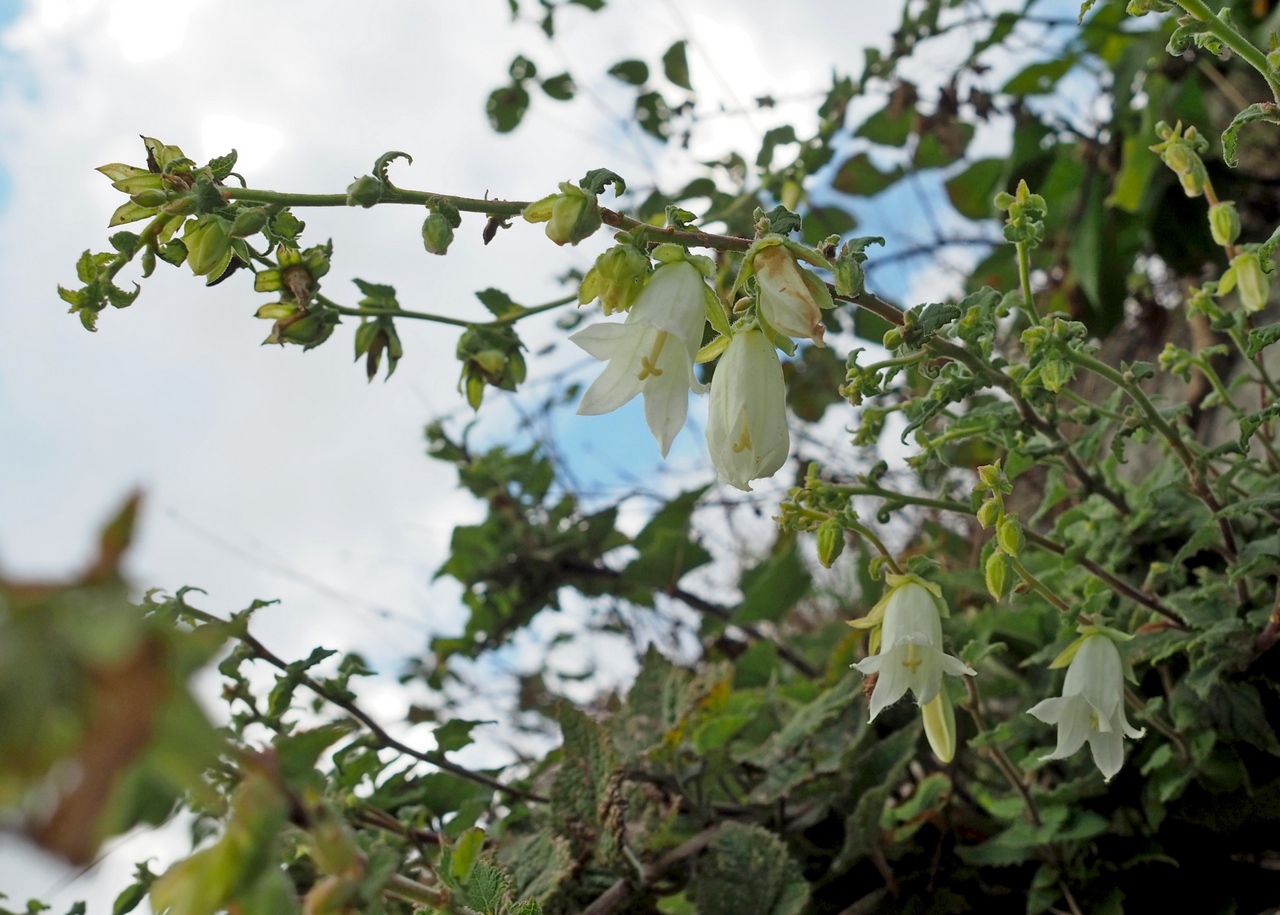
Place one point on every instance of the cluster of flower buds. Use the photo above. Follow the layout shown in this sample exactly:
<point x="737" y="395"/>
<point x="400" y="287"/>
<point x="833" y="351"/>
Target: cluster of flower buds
<point x="1180" y="150"/>
<point x="654" y="350"/>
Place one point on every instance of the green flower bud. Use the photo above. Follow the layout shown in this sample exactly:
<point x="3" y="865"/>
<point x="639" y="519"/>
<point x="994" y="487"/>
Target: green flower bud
<point x="1009" y="535"/>
<point x="1224" y="222"/>
<point x="997" y="573"/>
<point x="830" y="541"/>
<point x="249" y="222"/>
<point x="1055" y="374"/>
<point x="892" y="338"/>
<point x="989" y="513"/>
<point x="437" y="233"/>
<point x="151" y="197"/>
<point x="570" y="215"/>
<point x="365" y="191"/>
<point x="850" y="276"/>
<point x="208" y="245"/>
<point x="1254" y="285"/>
<point x="940" y="725"/>
<point x="1194" y="178"/>
<point x="616" y="279"/>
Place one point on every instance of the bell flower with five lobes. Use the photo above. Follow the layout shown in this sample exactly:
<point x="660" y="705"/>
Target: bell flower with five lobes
<point x="1091" y="707"/>
<point x="911" y="655"/>
<point x="653" y="351"/>
<point x="747" y="427"/>
<point x="791" y="298"/>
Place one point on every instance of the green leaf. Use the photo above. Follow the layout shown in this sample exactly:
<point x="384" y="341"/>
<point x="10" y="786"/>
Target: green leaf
<point x="890" y="126"/>
<point x="487" y="890"/>
<point x="587" y="765"/>
<point x="675" y="65"/>
<point x="746" y="870"/>
<point x="498" y="303"/>
<point x="455" y="734"/>
<point x="654" y="115"/>
<point x="859" y="177"/>
<point x="1138" y="165"/>
<point x="560" y="87"/>
<point x="972" y="192"/>
<point x="943" y="145"/>
<point x="631" y="72"/>
<point x="597" y="179"/>
<point x="506" y="107"/>
<point x="465" y="853"/>
<point x="1258" y="111"/>
<point x="1262" y="337"/>
<point x="1039" y="78"/>
<point x="772" y="139"/>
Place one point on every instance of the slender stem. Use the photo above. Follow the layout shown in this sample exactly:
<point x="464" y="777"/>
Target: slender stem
<point x="1171" y="733"/>
<point x="1170" y="433"/>
<point x="444" y="319"/>
<point x="1234" y="40"/>
<point x="1124" y="589"/>
<point x="1037" y="585"/>
<point x="998" y="756"/>
<point x="1024" y="274"/>
<point x="436" y="759"/>
<point x="391" y="195"/>
<point x="946" y="505"/>
<point x="415" y="892"/>
<point x="879" y="545"/>
<point x="656" y="236"/>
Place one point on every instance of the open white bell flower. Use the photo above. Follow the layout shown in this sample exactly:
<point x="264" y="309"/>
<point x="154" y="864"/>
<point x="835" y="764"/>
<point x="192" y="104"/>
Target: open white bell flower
<point x="911" y="655"/>
<point x="747" y="427"/>
<point x="791" y="298"/>
<point x="653" y="352"/>
<point x="1091" y="706"/>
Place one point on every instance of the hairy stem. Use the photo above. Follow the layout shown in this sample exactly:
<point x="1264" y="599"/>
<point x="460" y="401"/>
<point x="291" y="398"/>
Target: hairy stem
<point x="1242" y="47"/>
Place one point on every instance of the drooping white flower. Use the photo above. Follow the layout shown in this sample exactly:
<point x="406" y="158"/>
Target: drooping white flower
<point x="653" y="352"/>
<point x="747" y="427"/>
<point x="911" y="655"/>
<point x="791" y="298"/>
<point x="1091" y="707"/>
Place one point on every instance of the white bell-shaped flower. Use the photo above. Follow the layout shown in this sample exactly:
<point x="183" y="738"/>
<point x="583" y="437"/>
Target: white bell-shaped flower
<point x="653" y="352"/>
<point x="911" y="655"/>
<point x="747" y="427"/>
<point x="1091" y="706"/>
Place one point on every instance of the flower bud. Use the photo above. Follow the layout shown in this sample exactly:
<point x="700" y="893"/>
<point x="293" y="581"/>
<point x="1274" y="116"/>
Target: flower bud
<point x="1224" y="222"/>
<point x="1194" y="178"/>
<point x="830" y="541"/>
<point x="1254" y="284"/>
<point x="151" y="197"/>
<point x="365" y="191"/>
<point x="988" y="513"/>
<point x="208" y="245"/>
<point x="248" y="222"/>
<point x="997" y="573"/>
<point x="616" y="279"/>
<point x="1009" y="535"/>
<point x="1055" y="374"/>
<point x="892" y="338"/>
<point x="570" y="215"/>
<point x="940" y="726"/>
<point x="437" y="233"/>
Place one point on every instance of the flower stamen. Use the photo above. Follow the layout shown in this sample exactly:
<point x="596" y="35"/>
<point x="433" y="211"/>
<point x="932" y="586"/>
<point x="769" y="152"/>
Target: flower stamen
<point x="744" y="440"/>
<point x="913" y="659"/>
<point x="649" y="363"/>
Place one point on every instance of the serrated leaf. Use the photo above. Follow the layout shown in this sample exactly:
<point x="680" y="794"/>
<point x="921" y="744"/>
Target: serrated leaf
<point x="747" y="870"/>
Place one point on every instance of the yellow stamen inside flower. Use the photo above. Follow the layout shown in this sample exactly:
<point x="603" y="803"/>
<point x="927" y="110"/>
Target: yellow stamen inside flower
<point x="744" y="440"/>
<point x="649" y="363"/>
<point x="1093" y="721"/>
<point x="913" y="661"/>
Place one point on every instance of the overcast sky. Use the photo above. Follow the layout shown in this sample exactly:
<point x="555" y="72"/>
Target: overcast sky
<point x="271" y="472"/>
